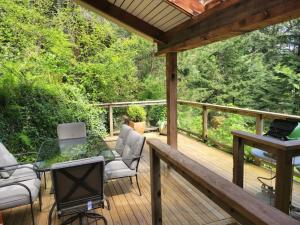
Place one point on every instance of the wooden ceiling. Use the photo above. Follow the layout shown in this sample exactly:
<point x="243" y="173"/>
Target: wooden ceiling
<point x="177" y="25"/>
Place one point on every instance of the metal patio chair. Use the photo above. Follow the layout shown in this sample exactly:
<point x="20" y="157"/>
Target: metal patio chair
<point x="121" y="141"/>
<point x="128" y="165"/>
<point x="78" y="189"/>
<point x="19" y="184"/>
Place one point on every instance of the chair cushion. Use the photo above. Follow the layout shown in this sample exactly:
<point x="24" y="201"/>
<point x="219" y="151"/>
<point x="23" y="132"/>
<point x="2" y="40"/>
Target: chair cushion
<point x="125" y="130"/>
<point x="118" y="169"/>
<point x="117" y="155"/>
<point x="133" y="148"/>
<point x="6" y="159"/>
<point x="15" y="195"/>
<point x="22" y="173"/>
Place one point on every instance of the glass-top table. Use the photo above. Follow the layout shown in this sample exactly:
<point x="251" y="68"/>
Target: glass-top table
<point x="54" y="151"/>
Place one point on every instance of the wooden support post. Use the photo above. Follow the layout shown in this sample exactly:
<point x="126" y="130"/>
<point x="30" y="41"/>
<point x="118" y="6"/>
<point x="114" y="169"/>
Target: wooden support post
<point x="284" y="180"/>
<point x="238" y="161"/>
<point x="259" y="124"/>
<point x="204" y="123"/>
<point x="111" y="121"/>
<point x="155" y="188"/>
<point x="171" y="73"/>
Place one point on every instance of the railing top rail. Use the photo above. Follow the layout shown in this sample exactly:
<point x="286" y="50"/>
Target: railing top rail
<point x="241" y="111"/>
<point x="229" y="109"/>
<point x="125" y="104"/>
<point x="268" y="141"/>
<point x="245" y="208"/>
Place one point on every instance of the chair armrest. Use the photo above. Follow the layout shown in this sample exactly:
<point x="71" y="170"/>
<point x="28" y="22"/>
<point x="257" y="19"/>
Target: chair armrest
<point x="18" y="184"/>
<point x="34" y="168"/>
<point x="134" y="158"/>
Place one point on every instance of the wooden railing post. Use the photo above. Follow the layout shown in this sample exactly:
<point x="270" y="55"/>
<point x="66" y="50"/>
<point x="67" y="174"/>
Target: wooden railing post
<point x="155" y="188"/>
<point x="284" y="172"/>
<point x="111" y="121"/>
<point x="238" y="161"/>
<point x="259" y="124"/>
<point x="204" y="123"/>
<point x="171" y="83"/>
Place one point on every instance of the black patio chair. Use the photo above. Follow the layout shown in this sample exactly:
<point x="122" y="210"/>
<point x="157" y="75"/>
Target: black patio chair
<point x="78" y="189"/>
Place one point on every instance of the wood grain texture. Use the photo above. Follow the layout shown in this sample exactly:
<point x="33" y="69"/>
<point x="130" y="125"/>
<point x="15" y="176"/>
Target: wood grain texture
<point x="238" y="203"/>
<point x="204" y="123"/>
<point x="171" y="83"/>
<point x="155" y="181"/>
<point x="123" y="18"/>
<point x="241" y="17"/>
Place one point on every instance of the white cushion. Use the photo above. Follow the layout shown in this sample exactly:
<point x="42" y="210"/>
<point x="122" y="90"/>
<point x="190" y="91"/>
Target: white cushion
<point x="6" y="159"/>
<point x="15" y="195"/>
<point x="125" y="130"/>
<point x="118" y="169"/>
<point x="133" y="149"/>
<point x="23" y="172"/>
<point x="117" y="155"/>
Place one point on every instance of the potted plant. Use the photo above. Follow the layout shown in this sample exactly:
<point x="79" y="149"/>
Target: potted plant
<point x="162" y="126"/>
<point x="137" y="115"/>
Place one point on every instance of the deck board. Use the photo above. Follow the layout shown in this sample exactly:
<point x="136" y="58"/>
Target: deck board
<point x="182" y="203"/>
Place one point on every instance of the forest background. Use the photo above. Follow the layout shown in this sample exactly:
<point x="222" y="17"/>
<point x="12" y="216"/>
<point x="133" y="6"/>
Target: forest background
<point x="57" y="58"/>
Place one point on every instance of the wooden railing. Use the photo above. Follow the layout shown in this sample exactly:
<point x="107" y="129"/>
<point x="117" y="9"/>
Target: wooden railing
<point x="245" y="208"/>
<point x="110" y="107"/>
<point x="282" y="151"/>
<point x="259" y="115"/>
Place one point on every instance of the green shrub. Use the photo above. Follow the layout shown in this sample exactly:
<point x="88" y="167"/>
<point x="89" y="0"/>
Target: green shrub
<point x="136" y="113"/>
<point x="30" y="113"/>
<point x="157" y="113"/>
<point x="223" y="133"/>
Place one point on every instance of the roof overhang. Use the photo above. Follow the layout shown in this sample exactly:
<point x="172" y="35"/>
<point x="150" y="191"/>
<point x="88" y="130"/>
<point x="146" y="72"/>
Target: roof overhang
<point x="178" y="25"/>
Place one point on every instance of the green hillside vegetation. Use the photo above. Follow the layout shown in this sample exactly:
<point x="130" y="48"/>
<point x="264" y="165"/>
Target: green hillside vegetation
<point x="56" y="58"/>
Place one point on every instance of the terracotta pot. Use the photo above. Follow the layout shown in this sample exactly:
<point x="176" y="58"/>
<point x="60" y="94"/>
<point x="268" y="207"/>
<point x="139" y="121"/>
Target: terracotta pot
<point x="138" y="126"/>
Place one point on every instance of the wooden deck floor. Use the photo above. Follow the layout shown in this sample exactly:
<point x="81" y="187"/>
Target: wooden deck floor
<point x="182" y="203"/>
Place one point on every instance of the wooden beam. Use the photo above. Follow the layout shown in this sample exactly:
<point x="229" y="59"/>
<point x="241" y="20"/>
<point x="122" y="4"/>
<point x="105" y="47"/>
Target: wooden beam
<point x="259" y="125"/>
<point x="204" y="123"/>
<point x="242" y="206"/>
<point x="284" y="178"/>
<point x="238" y="161"/>
<point x="123" y="18"/>
<point x="171" y="73"/>
<point x="155" y="180"/>
<point x="238" y="17"/>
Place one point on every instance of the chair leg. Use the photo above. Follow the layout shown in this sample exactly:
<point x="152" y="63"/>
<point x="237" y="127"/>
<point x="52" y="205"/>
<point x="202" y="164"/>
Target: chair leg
<point x="45" y="180"/>
<point x="32" y="215"/>
<point x="40" y="200"/>
<point x="137" y="182"/>
<point x="108" y="204"/>
<point x="130" y="180"/>
<point x="50" y="214"/>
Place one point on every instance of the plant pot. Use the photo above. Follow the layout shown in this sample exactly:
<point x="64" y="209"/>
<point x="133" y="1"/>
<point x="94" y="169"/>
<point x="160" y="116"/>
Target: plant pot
<point x="138" y="126"/>
<point x="163" y="131"/>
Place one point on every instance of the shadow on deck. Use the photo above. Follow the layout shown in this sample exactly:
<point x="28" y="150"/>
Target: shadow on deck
<point x="182" y="203"/>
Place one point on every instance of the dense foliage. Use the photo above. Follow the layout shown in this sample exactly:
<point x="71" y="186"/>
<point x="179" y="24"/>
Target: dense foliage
<point x="136" y="113"/>
<point x="56" y="58"/>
